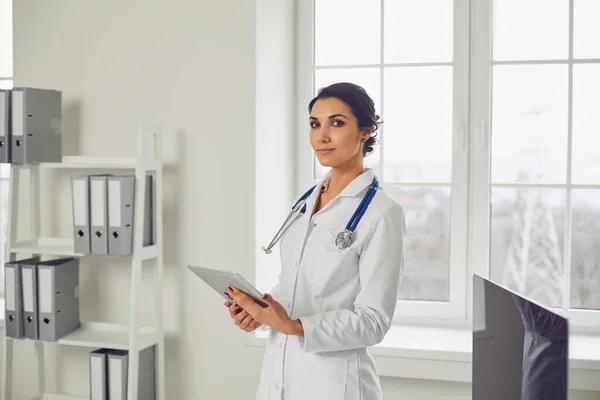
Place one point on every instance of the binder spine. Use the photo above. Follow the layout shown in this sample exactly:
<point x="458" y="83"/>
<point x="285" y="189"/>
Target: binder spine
<point x="99" y="374"/>
<point x="30" y="301"/>
<point x="99" y="214"/>
<point x="14" y="302"/>
<point x="121" y="200"/>
<point x="80" y="190"/>
<point x="5" y="126"/>
<point x="36" y="125"/>
<point x="18" y="126"/>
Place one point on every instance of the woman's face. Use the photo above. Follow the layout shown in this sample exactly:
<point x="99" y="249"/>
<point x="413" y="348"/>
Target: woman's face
<point x="334" y="133"/>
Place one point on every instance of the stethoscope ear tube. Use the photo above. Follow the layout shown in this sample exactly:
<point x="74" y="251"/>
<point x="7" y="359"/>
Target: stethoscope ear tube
<point x="286" y="225"/>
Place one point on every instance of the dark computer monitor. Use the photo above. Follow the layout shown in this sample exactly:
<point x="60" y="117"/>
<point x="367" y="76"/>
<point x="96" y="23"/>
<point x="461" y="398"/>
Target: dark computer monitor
<point x="520" y="349"/>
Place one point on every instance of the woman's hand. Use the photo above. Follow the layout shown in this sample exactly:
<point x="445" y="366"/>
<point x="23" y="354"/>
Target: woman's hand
<point x="241" y="317"/>
<point x="274" y="315"/>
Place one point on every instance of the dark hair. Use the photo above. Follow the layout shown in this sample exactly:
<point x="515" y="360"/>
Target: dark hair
<point x="361" y="104"/>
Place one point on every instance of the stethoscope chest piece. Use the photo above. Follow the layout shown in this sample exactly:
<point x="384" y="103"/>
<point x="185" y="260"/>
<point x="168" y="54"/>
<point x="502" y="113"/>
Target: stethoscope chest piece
<point x="343" y="239"/>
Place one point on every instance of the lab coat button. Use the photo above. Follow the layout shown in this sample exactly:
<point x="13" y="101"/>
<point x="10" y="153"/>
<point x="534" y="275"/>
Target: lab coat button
<point x="276" y="386"/>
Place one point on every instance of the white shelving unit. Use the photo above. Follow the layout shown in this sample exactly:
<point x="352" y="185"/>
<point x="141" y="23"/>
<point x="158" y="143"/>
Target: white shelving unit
<point x="93" y="334"/>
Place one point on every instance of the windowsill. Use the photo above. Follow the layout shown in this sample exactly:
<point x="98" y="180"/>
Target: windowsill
<point x="445" y="355"/>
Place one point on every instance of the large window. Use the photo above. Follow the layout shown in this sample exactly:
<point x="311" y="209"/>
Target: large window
<point x="538" y="198"/>
<point x="487" y="141"/>
<point x="6" y="82"/>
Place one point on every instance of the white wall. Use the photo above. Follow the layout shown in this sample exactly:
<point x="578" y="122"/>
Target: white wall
<point x="274" y="129"/>
<point x="192" y="66"/>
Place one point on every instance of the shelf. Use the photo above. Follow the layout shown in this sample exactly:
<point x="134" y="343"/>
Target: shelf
<point x="149" y="252"/>
<point x="104" y="335"/>
<point x="65" y="247"/>
<point x="91" y="335"/>
<point x="46" y="246"/>
<point x="56" y="396"/>
<point x="85" y="162"/>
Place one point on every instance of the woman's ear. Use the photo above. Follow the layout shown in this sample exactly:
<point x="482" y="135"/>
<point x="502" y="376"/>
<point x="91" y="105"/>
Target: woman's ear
<point x="365" y="134"/>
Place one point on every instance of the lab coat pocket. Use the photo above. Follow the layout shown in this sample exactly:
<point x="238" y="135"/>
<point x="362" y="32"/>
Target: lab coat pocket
<point x="319" y="376"/>
<point x="327" y="267"/>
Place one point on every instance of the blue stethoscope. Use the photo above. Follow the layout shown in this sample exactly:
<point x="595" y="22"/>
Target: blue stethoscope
<point x="344" y="238"/>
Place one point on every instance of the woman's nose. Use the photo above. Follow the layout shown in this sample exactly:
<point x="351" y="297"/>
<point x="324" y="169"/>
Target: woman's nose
<point x="324" y="133"/>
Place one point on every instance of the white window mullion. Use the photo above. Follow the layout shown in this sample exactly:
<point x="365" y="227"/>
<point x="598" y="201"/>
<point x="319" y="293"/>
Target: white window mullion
<point x="566" y="298"/>
<point x="460" y="163"/>
<point x="580" y="320"/>
<point x="381" y="133"/>
<point x="452" y="312"/>
<point x="479" y="177"/>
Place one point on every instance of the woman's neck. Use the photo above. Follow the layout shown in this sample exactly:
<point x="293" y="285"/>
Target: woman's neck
<point x="341" y="177"/>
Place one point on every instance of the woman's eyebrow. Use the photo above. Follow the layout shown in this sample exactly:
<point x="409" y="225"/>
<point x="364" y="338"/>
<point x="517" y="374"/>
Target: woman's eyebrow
<point x="330" y="117"/>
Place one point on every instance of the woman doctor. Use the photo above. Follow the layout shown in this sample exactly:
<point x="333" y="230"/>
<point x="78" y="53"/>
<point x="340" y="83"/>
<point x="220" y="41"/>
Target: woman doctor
<point x="332" y="301"/>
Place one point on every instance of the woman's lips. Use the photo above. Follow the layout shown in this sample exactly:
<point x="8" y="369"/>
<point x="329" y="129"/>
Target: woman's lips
<point x="324" y="151"/>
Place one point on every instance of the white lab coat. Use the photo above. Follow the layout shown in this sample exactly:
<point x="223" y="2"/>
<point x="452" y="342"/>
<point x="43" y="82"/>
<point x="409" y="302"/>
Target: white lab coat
<point x="344" y="298"/>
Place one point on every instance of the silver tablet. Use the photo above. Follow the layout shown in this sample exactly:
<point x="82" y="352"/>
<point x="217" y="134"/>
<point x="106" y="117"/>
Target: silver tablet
<point x="220" y="280"/>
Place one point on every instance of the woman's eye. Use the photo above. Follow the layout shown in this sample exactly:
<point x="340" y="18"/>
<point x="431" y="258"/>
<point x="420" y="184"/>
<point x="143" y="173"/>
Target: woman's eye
<point x="314" y="125"/>
<point x="337" y="123"/>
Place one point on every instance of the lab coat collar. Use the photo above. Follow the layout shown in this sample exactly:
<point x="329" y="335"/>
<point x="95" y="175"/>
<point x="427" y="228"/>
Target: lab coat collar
<point x="355" y="187"/>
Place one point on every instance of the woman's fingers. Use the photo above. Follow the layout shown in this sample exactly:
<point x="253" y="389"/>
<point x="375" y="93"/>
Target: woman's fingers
<point x="234" y="309"/>
<point x="245" y="301"/>
<point x="251" y="326"/>
<point x="246" y="322"/>
<point x="240" y="317"/>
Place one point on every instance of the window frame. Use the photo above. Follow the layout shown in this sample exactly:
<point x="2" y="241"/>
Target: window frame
<point x="581" y="320"/>
<point x="471" y="160"/>
<point x="452" y="312"/>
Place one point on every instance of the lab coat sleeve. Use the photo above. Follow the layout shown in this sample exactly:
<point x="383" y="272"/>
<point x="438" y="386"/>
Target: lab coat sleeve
<point x="380" y="267"/>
